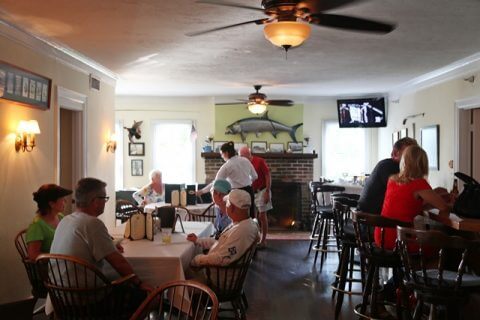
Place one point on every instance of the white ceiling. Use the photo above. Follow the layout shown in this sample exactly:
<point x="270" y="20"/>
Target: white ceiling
<point x="144" y="42"/>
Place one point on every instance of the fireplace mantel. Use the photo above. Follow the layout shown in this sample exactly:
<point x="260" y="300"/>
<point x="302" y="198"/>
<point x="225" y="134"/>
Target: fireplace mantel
<point x="268" y="155"/>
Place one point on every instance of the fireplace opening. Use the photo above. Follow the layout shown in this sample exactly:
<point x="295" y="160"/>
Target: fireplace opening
<point x="287" y="206"/>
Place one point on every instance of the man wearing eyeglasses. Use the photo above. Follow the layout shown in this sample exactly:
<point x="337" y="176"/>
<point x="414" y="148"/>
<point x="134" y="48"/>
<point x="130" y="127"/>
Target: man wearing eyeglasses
<point x="82" y="235"/>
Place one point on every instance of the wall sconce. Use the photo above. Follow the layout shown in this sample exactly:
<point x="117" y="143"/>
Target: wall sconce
<point x="25" y="139"/>
<point x="112" y="143"/>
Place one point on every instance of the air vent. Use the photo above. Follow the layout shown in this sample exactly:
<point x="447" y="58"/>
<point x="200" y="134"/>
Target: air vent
<point x="94" y="83"/>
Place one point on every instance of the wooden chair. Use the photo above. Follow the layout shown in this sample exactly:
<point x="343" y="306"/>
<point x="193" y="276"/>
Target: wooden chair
<point x="78" y="290"/>
<point x="179" y="299"/>
<point x="425" y="270"/>
<point x="38" y="289"/>
<point x="346" y="264"/>
<point x="227" y="281"/>
<point x="208" y="215"/>
<point x="376" y="257"/>
<point x="19" y="310"/>
<point x="124" y="209"/>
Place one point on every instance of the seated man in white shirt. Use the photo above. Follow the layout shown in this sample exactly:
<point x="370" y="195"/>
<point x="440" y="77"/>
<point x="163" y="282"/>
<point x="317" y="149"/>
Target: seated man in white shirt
<point x="235" y="239"/>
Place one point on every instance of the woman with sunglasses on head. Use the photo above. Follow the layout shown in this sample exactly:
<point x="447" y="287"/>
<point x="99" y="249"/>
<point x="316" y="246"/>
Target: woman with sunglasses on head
<point x="50" y="200"/>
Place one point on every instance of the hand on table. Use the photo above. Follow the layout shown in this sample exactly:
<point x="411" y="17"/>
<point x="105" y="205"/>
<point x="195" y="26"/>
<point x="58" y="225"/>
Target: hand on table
<point x="192" y="237"/>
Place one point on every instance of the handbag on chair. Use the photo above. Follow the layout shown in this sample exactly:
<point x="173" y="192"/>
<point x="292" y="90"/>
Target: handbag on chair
<point x="468" y="202"/>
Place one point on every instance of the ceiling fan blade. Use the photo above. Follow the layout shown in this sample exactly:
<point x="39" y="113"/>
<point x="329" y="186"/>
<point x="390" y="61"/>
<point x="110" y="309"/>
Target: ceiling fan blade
<point x="230" y="104"/>
<point x="229" y="4"/>
<point x="280" y="103"/>
<point x="324" y="5"/>
<point x="350" y="23"/>
<point x="258" y="21"/>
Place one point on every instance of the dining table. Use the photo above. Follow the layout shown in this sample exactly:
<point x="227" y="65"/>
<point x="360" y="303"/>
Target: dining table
<point x="456" y="222"/>
<point x="156" y="262"/>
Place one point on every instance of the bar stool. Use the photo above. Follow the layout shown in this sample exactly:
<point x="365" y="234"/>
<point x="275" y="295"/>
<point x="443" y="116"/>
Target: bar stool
<point x="346" y="265"/>
<point x="323" y="230"/>
<point x="376" y="257"/>
<point x="433" y="284"/>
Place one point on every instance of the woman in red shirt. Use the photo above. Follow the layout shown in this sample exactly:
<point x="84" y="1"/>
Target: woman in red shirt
<point x="408" y="192"/>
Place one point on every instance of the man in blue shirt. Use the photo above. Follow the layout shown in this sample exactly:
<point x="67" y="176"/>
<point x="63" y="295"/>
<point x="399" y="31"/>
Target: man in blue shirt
<point x="220" y="189"/>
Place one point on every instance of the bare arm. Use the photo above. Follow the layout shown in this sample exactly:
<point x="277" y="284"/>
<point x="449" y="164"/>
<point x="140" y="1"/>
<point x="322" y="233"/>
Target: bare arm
<point x="121" y="265"/>
<point x="430" y="197"/>
<point x="33" y="249"/>
<point x="204" y="190"/>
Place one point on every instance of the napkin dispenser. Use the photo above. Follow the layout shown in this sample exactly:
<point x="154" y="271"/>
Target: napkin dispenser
<point x="169" y="217"/>
<point x="140" y="226"/>
<point x="191" y="195"/>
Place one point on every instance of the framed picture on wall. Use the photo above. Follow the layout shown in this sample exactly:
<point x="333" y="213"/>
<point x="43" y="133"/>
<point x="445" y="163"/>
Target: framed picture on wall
<point x="430" y="141"/>
<point x="136" y="149"/>
<point x="239" y="145"/>
<point x="217" y="145"/>
<point x="24" y="87"/>
<point x="295" y="147"/>
<point x="277" y="147"/>
<point x="259" y="146"/>
<point x="137" y="167"/>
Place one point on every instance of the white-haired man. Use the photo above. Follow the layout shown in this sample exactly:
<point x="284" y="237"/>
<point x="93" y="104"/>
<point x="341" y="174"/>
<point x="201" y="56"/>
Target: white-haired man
<point x="235" y="239"/>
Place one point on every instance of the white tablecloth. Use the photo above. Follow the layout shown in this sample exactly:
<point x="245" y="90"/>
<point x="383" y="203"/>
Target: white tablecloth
<point x="155" y="262"/>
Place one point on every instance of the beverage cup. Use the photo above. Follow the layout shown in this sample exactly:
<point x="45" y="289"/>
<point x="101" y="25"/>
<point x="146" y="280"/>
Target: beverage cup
<point x="167" y="235"/>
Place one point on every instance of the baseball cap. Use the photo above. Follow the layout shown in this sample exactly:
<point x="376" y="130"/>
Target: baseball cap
<point x="222" y="186"/>
<point x="50" y="192"/>
<point x="239" y="198"/>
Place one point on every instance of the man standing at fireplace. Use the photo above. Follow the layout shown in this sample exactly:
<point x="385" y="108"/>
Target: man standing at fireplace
<point x="261" y="188"/>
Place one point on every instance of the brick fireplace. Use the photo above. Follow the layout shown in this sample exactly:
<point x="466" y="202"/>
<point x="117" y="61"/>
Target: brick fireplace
<point x="290" y="195"/>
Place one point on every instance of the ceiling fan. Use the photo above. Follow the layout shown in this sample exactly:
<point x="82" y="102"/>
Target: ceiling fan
<point x="257" y="102"/>
<point x="288" y="22"/>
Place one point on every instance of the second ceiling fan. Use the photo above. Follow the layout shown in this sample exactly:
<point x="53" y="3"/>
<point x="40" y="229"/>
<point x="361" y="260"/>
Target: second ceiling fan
<point x="257" y="102"/>
<point x="288" y="22"/>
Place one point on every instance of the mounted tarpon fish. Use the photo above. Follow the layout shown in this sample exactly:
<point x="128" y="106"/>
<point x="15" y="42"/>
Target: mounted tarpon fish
<point x="262" y="124"/>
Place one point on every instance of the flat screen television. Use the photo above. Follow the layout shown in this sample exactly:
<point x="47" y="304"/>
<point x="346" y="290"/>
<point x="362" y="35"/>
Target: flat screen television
<point x="362" y="113"/>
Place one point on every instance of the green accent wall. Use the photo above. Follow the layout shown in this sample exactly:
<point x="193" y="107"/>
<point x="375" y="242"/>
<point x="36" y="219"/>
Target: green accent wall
<point x="290" y="116"/>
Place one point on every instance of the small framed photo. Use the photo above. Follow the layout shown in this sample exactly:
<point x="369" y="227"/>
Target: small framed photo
<point x="277" y="147"/>
<point x="295" y="147"/>
<point x="239" y="145"/>
<point x="137" y="167"/>
<point x="136" y="149"/>
<point x="259" y="146"/>
<point x="217" y="145"/>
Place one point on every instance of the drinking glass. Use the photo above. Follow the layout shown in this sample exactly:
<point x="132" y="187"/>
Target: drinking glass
<point x="167" y="235"/>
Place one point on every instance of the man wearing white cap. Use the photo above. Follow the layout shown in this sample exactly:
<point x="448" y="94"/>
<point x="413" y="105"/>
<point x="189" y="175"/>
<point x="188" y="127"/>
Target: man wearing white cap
<point x="235" y="239"/>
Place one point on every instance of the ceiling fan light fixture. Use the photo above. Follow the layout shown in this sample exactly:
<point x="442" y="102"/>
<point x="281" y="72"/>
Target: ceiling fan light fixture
<point x="257" y="108"/>
<point x="286" y="34"/>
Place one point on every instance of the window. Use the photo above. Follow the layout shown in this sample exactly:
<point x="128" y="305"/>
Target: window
<point x="173" y="150"/>
<point x="345" y="151"/>
<point x="119" y="155"/>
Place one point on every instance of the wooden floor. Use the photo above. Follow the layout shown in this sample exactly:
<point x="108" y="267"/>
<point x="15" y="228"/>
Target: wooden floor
<point x="283" y="284"/>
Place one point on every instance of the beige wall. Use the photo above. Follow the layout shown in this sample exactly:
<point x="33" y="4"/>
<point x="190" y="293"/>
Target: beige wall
<point x="22" y="173"/>
<point x="147" y="109"/>
<point x="438" y="103"/>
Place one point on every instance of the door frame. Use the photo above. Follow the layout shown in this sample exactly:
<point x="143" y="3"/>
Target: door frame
<point x="462" y="133"/>
<point x="74" y="101"/>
